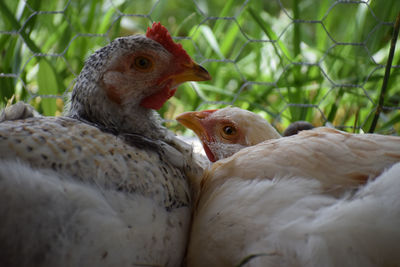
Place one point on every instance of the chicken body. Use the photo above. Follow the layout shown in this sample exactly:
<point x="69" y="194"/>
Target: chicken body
<point x="293" y="201"/>
<point x="107" y="185"/>
<point x="290" y="221"/>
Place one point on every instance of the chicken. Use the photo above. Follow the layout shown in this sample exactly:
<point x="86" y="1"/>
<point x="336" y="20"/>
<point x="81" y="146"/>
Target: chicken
<point x="106" y="185"/>
<point x="225" y="131"/>
<point x="291" y="202"/>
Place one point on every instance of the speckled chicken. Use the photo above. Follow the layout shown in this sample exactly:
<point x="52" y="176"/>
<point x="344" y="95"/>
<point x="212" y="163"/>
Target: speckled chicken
<point x="318" y="198"/>
<point x="106" y="185"/>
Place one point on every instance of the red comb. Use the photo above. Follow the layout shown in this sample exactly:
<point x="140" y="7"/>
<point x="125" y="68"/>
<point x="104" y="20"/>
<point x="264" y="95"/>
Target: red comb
<point x="161" y="35"/>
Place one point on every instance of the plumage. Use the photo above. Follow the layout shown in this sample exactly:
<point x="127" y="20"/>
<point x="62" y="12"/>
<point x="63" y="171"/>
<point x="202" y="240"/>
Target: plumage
<point x="300" y="201"/>
<point x="290" y="221"/>
<point x="337" y="159"/>
<point x="106" y="185"/>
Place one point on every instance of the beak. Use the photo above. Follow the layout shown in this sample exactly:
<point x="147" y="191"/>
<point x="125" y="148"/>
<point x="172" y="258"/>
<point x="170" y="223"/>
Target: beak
<point x="193" y="121"/>
<point x="191" y="72"/>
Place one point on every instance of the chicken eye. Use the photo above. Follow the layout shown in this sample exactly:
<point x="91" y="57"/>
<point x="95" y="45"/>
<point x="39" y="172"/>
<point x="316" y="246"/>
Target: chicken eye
<point x="229" y="132"/>
<point x="143" y="63"/>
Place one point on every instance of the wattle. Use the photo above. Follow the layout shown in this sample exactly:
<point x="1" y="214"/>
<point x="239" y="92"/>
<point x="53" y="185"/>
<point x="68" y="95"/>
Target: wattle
<point x="157" y="100"/>
<point x="209" y="154"/>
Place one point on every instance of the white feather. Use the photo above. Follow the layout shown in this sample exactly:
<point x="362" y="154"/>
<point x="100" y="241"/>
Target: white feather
<point x="292" y="222"/>
<point x="53" y="220"/>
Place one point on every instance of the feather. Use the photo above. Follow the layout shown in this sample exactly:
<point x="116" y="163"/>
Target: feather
<point x="107" y="184"/>
<point x="290" y="221"/>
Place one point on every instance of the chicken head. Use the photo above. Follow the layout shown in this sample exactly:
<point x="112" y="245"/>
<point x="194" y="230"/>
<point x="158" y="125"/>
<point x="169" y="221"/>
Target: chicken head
<point x="225" y="131"/>
<point x="126" y="79"/>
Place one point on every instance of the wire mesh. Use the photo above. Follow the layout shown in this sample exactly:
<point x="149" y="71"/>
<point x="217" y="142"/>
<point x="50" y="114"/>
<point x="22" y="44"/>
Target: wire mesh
<point x="320" y="61"/>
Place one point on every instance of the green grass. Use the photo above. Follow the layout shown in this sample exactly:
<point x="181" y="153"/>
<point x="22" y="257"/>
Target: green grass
<point x="298" y="60"/>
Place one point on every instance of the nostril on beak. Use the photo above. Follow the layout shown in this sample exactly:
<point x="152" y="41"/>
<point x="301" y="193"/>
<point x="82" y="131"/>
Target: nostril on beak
<point x="202" y="68"/>
<point x="202" y="72"/>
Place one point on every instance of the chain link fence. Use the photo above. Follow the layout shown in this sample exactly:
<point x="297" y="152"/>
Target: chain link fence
<point x="320" y="61"/>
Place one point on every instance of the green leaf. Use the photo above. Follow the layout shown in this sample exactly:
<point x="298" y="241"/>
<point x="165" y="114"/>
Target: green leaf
<point x="335" y="105"/>
<point x="229" y="41"/>
<point x="106" y="21"/>
<point x="391" y="122"/>
<point x="269" y="32"/>
<point x="47" y="82"/>
<point x="219" y="26"/>
<point x="15" y="24"/>
<point x="212" y="41"/>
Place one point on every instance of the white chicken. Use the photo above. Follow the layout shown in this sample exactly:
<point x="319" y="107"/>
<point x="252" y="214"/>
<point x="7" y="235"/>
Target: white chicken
<point x="294" y="202"/>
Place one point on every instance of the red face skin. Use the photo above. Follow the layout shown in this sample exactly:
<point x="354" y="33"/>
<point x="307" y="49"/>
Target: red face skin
<point x="205" y="136"/>
<point x="183" y="72"/>
<point x="187" y="70"/>
<point x="161" y="35"/>
<point x="209" y="154"/>
<point x="213" y="129"/>
<point x="157" y="100"/>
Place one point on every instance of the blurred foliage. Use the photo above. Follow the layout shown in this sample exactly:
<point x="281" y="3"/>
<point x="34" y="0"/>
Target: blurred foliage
<point x="287" y="60"/>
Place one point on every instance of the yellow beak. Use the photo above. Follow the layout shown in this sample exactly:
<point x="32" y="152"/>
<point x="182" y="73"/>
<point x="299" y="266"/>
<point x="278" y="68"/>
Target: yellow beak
<point x="191" y="72"/>
<point x="192" y="120"/>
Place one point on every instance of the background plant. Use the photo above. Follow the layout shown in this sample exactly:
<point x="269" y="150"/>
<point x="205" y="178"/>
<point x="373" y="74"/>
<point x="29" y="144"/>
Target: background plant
<point x="320" y="61"/>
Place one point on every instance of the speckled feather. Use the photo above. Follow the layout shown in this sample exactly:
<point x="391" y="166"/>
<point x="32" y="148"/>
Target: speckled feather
<point x="107" y="185"/>
<point x="84" y="152"/>
<point x="124" y="176"/>
<point x="52" y="219"/>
